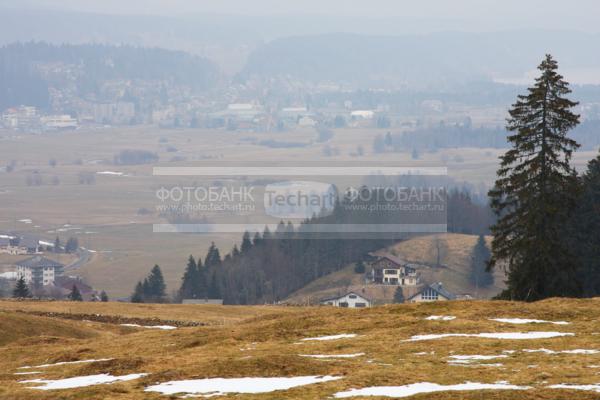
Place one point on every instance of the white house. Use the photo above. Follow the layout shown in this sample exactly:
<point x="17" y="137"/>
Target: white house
<point x="433" y="292"/>
<point x="349" y="300"/>
<point x="39" y="271"/>
<point x="389" y="271"/>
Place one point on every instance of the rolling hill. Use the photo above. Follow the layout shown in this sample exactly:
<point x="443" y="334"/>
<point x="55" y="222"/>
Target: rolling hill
<point x="455" y="260"/>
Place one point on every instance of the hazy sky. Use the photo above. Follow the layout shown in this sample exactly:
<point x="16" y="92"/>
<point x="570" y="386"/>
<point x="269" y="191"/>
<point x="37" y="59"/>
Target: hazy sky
<point x="493" y="9"/>
<point x="432" y="15"/>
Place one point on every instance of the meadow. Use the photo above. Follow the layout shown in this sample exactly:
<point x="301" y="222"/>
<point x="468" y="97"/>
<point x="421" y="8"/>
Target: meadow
<point x="356" y="350"/>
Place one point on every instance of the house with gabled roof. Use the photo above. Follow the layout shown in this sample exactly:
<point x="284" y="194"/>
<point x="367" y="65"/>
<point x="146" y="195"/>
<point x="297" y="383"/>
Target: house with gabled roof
<point x="433" y="292"/>
<point x="388" y="270"/>
<point x="349" y="300"/>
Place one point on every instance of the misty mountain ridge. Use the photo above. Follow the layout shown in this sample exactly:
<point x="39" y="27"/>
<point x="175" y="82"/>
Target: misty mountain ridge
<point x="419" y="60"/>
<point x="28" y="70"/>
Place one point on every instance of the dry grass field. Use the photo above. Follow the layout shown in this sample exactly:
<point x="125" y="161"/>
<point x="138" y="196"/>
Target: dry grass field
<point x="267" y="342"/>
<point x="104" y="216"/>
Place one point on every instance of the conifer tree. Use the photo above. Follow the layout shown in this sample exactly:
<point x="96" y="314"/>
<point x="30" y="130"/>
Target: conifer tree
<point x="155" y="289"/>
<point x="480" y="257"/>
<point x="189" y="282"/>
<point x="201" y="283"/>
<point x="246" y="242"/>
<point x="138" y="293"/>
<point x="21" y="290"/>
<point x="360" y="268"/>
<point x="75" y="294"/>
<point x="398" y="296"/>
<point x="213" y="257"/>
<point x="103" y="297"/>
<point x="535" y="192"/>
<point x="584" y="232"/>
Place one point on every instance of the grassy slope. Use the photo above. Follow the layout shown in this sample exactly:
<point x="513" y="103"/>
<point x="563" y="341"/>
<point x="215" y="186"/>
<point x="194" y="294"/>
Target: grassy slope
<point x="455" y="274"/>
<point x="264" y="345"/>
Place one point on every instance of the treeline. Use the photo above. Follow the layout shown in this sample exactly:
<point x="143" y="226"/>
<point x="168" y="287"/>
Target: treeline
<point x="23" y="80"/>
<point x="267" y="267"/>
<point x="464" y="135"/>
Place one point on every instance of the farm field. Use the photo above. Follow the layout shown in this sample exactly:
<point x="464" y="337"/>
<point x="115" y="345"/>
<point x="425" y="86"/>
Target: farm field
<point x="444" y="350"/>
<point x="118" y="227"/>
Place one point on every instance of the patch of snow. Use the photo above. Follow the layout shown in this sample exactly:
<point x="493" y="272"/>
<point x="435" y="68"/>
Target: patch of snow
<point x="27" y="373"/>
<point x="333" y="337"/>
<point x="528" y="321"/>
<point x="425" y="387"/>
<point x="26" y="221"/>
<point x="7" y="237"/>
<point x="473" y="358"/>
<point x="460" y="364"/>
<point x="9" y="275"/>
<point x="333" y="355"/>
<point x="163" y="327"/>
<point x="67" y="363"/>
<point x="44" y="243"/>
<point x="80" y="381"/>
<point x="576" y="351"/>
<point x="222" y="386"/>
<point x="494" y="335"/>
<point x="113" y="173"/>
<point x="440" y="318"/>
<point x="509" y="351"/>
<point x="589" y="388"/>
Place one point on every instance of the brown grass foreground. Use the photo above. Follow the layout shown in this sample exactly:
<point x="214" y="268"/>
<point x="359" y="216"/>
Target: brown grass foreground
<point x="262" y="342"/>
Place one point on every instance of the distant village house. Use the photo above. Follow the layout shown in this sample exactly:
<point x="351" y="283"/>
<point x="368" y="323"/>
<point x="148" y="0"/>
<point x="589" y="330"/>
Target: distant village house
<point x="39" y="271"/>
<point x="389" y="271"/>
<point x="433" y="292"/>
<point x="349" y="300"/>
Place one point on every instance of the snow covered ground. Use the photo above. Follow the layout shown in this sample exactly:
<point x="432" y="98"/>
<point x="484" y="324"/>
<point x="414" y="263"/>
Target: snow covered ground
<point x="440" y="318"/>
<point x="162" y="327"/>
<point x="425" y="387"/>
<point x="333" y="337"/>
<point x="333" y="355"/>
<point x="80" y="381"/>
<point x="222" y="386"/>
<point x="520" y="321"/>
<point x="493" y="335"/>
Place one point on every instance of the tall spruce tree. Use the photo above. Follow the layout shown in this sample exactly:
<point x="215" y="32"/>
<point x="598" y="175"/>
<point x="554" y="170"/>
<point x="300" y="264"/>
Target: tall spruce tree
<point x="189" y="282"/>
<point x="138" y="293"/>
<point x="480" y="257"/>
<point x="21" y="290"/>
<point x="246" y="242"/>
<point x="75" y="294"/>
<point x="155" y="288"/>
<point x="399" y="296"/>
<point x="211" y="264"/>
<point x="201" y="283"/>
<point x="536" y="191"/>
